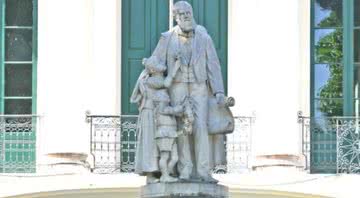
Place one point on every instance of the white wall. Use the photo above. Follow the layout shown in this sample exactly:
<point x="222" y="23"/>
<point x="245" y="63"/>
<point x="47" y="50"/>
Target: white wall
<point x="264" y="62"/>
<point x="106" y="74"/>
<point x="304" y="41"/>
<point x="77" y="69"/>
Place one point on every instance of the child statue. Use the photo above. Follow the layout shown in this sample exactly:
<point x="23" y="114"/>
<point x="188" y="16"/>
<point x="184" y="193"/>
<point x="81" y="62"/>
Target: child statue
<point x="165" y="122"/>
<point x="147" y="153"/>
<point x="166" y="134"/>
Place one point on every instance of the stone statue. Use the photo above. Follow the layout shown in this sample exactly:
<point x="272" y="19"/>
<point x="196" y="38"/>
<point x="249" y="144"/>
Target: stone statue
<point x="146" y="160"/>
<point x="194" y="71"/>
<point x="165" y="122"/>
<point x="173" y="95"/>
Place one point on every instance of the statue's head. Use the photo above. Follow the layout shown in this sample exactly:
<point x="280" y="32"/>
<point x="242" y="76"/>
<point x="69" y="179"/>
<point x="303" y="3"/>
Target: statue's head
<point x="183" y="15"/>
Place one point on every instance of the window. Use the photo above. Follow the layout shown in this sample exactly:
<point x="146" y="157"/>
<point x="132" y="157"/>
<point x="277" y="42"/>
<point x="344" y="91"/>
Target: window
<point x="335" y="58"/>
<point x="335" y="75"/>
<point x="18" y="37"/>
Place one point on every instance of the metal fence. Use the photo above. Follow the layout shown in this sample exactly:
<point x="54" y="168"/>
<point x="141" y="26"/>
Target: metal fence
<point x="113" y="144"/>
<point x="304" y="123"/>
<point x="331" y="144"/>
<point x="18" y="143"/>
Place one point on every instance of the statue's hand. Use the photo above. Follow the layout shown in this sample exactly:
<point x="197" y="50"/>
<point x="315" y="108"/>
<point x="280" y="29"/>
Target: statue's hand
<point x="178" y="109"/>
<point x="167" y="82"/>
<point x="191" y="118"/>
<point x="188" y="129"/>
<point x="220" y="99"/>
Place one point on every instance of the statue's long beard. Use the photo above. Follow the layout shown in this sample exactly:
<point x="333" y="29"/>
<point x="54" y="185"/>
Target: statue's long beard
<point x="187" y="26"/>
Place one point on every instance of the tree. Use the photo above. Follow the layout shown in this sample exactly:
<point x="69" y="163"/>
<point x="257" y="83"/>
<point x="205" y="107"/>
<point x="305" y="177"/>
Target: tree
<point x="335" y="18"/>
<point x="329" y="50"/>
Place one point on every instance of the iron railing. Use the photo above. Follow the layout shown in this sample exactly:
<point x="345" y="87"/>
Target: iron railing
<point x="113" y="144"/>
<point x="304" y="123"/>
<point x="239" y="144"/>
<point x="331" y="144"/>
<point x="18" y="145"/>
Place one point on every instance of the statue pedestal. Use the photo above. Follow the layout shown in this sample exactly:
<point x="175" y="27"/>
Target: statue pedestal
<point x="184" y="189"/>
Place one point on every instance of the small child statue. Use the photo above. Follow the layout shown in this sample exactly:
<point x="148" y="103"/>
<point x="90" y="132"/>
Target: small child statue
<point x="165" y="122"/>
<point x="166" y="134"/>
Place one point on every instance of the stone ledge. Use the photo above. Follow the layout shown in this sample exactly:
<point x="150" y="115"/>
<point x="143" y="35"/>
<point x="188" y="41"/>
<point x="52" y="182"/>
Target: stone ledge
<point x="188" y="190"/>
<point x="278" y="160"/>
<point x="64" y="163"/>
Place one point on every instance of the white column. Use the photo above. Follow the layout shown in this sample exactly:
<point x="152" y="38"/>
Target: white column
<point x="304" y="70"/>
<point x="105" y="80"/>
<point x="78" y="69"/>
<point x="65" y="51"/>
<point x="264" y="65"/>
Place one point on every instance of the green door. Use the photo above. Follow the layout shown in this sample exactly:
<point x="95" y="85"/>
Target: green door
<point x="143" y="21"/>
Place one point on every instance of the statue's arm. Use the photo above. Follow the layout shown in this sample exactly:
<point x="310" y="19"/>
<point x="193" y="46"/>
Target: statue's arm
<point x="161" y="48"/>
<point x="138" y="92"/>
<point x="172" y="110"/>
<point x="137" y="99"/>
<point x="213" y="67"/>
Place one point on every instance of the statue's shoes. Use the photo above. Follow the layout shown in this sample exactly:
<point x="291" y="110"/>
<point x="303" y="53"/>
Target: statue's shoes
<point x="184" y="177"/>
<point x="153" y="181"/>
<point x="168" y="179"/>
<point x="209" y="179"/>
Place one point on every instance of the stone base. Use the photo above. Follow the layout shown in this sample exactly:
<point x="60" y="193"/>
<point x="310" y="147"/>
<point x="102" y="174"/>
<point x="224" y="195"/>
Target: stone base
<point x="263" y="162"/>
<point x="184" y="189"/>
<point x="64" y="163"/>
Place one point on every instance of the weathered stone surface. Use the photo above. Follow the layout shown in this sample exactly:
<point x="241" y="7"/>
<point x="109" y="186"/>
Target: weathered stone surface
<point x="188" y="190"/>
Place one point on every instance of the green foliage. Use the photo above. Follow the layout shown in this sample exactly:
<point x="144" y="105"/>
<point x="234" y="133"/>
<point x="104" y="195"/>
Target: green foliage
<point x="333" y="88"/>
<point x="334" y="5"/>
<point x="335" y="18"/>
<point x="332" y="21"/>
<point x="329" y="50"/>
<point x="331" y="107"/>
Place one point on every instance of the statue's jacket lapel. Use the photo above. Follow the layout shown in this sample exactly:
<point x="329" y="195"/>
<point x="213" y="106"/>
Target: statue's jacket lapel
<point x="198" y="56"/>
<point x="198" y="46"/>
<point x="204" y="59"/>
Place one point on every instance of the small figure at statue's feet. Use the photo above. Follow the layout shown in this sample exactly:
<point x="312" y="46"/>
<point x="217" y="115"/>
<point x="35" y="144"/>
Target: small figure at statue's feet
<point x="151" y="179"/>
<point x="168" y="160"/>
<point x="208" y="179"/>
<point x="168" y="179"/>
<point x="184" y="177"/>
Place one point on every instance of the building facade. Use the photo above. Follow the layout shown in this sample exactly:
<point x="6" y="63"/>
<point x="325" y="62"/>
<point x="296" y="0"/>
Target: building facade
<point x="93" y="66"/>
<point x="61" y="61"/>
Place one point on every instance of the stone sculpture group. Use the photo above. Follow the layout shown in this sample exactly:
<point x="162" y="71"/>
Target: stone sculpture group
<point x="173" y="92"/>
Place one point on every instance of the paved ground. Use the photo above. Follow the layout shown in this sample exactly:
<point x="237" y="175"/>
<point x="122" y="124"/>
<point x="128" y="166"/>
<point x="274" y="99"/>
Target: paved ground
<point x="278" y="179"/>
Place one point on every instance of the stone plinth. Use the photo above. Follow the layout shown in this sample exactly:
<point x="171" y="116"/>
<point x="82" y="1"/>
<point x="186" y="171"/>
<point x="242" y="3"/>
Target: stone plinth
<point x="263" y="162"/>
<point x="64" y="163"/>
<point x="188" y="190"/>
